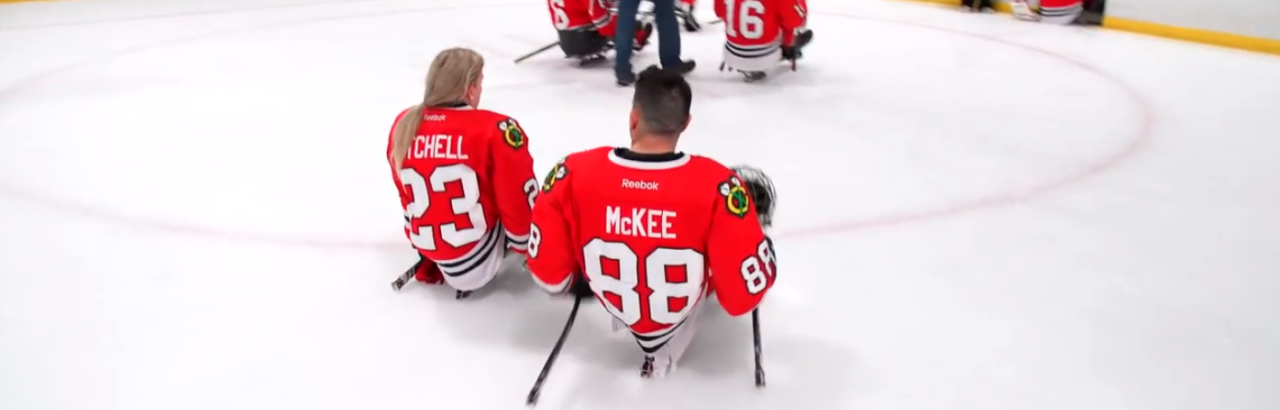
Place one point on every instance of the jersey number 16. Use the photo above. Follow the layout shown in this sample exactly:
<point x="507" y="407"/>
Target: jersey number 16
<point x="747" y="23"/>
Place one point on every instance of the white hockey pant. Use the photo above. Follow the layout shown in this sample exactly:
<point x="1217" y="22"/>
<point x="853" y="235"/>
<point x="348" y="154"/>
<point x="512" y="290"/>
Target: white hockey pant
<point x="478" y="267"/>
<point x="667" y="347"/>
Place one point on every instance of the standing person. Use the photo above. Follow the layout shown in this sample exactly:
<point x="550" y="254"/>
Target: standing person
<point x="668" y="39"/>
<point x="464" y="175"/>
<point x="651" y="231"/>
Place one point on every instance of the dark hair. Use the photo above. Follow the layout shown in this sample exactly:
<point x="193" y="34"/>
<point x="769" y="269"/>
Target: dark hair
<point x="663" y="98"/>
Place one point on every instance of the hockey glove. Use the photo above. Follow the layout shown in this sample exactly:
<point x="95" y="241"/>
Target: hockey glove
<point x="791" y="53"/>
<point x="581" y="288"/>
<point x="427" y="272"/>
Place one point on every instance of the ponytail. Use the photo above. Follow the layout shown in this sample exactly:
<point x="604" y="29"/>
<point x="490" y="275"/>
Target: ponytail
<point x="451" y="74"/>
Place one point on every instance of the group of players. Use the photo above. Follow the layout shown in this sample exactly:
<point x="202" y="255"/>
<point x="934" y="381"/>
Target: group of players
<point x="758" y="33"/>
<point x="652" y="233"/>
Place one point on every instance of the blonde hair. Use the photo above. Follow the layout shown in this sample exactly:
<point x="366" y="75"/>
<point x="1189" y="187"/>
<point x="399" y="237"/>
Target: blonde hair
<point x="452" y="73"/>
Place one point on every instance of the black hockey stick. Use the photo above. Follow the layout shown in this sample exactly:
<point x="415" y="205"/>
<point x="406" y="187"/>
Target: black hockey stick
<point x="404" y="278"/>
<point x="755" y="328"/>
<point x="555" y="353"/>
<point x="536" y="52"/>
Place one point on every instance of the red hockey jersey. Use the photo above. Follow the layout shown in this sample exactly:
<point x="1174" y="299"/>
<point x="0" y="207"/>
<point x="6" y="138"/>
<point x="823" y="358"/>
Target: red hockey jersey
<point x="581" y="15"/>
<point x="1060" y="11"/>
<point x="652" y="235"/>
<point x="467" y="177"/>
<point x="759" y="27"/>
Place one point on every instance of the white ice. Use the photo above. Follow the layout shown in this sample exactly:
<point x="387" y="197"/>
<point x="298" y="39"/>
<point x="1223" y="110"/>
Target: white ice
<point x="975" y="213"/>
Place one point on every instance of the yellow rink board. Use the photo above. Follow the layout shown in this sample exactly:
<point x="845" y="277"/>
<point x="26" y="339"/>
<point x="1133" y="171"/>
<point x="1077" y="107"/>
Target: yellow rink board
<point x="1217" y="38"/>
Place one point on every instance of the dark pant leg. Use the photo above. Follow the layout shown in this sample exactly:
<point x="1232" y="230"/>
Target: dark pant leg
<point x="625" y="35"/>
<point x="576" y="43"/>
<point x="664" y="13"/>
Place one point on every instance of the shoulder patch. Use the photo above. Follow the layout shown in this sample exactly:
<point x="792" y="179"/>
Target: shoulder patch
<point x="512" y="134"/>
<point x="558" y="172"/>
<point x="736" y="199"/>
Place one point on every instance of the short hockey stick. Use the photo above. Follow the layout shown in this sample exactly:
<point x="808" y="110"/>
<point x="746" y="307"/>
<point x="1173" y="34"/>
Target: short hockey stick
<point x="755" y="328"/>
<point x="536" y="52"/>
<point x="404" y="278"/>
<point x="555" y="353"/>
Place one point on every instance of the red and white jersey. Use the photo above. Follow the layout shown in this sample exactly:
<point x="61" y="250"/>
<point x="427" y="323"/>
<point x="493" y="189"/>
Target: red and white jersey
<point x="467" y="181"/>
<point x="579" y="14"/>
<point x="652" y="234"/>
<point x="756" y="30"/>
<point x="1060" y="11"/>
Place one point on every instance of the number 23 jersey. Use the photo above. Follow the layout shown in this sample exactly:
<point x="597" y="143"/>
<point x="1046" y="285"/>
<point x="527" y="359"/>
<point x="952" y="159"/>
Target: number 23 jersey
<point x="466" y="182"/>
<point x="652" y="234"/>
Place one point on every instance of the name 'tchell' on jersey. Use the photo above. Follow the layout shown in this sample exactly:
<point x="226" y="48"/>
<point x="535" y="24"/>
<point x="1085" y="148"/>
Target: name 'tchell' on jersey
<point x="467" y="185"/>
<point x="652" y="234"/>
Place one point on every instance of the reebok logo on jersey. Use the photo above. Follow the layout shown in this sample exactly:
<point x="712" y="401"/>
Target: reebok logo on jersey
<point x="433" y="117"/>
<point x="645" y="185"/>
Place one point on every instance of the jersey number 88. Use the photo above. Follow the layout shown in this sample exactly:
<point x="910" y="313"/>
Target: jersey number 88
<point x="626" y="284"/>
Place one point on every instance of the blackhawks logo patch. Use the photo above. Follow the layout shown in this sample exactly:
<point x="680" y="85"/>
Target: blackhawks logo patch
<point x="736" y="199"/>
<point x="557" y="173"/>
<point x="512" y="133"/>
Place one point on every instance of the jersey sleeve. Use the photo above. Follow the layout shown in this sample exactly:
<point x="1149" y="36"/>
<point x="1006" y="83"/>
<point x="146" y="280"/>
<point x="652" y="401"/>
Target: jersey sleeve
<point x="515" y="185"/>
<point x="739" y="254"/>
<point x="601" y="16"/>
<point x="395" y="173"/>
<point x="720" y="10"/>
<point x="793" y="15"/>
<point x="552" y="257"/>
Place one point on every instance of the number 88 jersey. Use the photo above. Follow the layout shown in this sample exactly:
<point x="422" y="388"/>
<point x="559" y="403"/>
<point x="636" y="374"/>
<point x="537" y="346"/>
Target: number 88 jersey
<point x="652" y="235"/>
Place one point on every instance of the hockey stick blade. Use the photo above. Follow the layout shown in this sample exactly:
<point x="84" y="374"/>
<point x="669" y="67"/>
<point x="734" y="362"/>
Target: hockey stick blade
<point x="536" y="52"/>
<point x="755" y="330"/>
<point x="555" y="353"/>
<point x="404" y="278"/>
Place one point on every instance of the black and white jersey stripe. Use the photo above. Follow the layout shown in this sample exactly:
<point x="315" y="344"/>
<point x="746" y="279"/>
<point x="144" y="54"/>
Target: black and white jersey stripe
<point x="477" y="256"/>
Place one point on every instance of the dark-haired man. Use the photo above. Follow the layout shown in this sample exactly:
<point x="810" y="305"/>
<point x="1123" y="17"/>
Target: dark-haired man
<point x="643" y="228"/>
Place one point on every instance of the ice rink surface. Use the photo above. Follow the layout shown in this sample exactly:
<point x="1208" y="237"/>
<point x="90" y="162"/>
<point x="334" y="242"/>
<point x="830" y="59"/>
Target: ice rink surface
<point x="975" y="214"/>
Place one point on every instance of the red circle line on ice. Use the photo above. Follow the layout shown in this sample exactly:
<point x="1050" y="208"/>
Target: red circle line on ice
<point x="1133" y="145"/>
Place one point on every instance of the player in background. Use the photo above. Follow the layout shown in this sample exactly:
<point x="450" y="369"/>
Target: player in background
<point x="760" y="33"/>
<point x="652" y="231"/>
<point x="684" y="10"/>
<point x="465" y="177"/>
<point x="587" y="29"/>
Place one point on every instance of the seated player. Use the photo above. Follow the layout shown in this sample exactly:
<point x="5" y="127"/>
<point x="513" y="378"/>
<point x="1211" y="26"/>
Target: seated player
<point x="684" y="10"/>
<point x="465" y="177"/>
<point x="587" y="28"/>
<point x="653" y="232"/>
<point x="760" y="33"/>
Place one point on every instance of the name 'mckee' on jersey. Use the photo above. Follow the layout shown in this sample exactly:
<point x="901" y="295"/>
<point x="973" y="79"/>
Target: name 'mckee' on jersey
<point x="466" y="185"/>
<point x="652" y="234"/>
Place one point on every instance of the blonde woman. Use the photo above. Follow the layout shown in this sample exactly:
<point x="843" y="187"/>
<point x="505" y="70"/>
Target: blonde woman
<point x="464" y="175"/>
